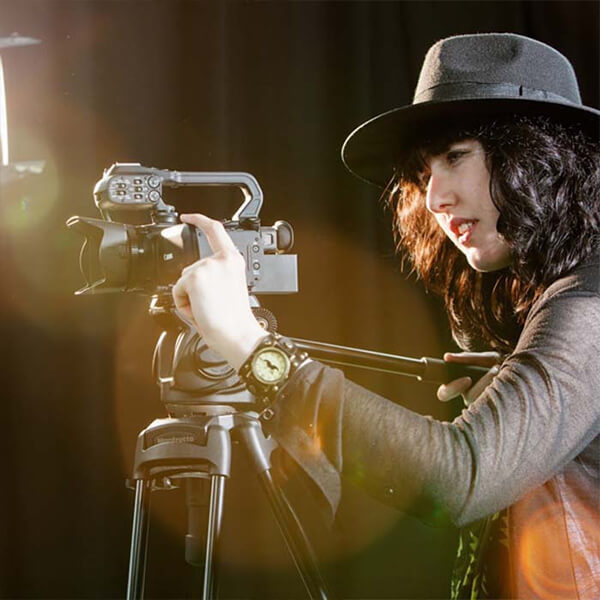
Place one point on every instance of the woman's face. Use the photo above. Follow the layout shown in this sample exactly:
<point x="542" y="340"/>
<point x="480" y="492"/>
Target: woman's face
<point x="458" y="195"/>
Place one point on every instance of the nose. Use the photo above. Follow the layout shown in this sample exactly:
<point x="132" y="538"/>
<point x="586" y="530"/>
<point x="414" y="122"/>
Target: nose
<point x="440" y="194"/>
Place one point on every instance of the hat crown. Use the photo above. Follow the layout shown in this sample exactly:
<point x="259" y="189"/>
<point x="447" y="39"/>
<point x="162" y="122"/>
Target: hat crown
<point x="471" y="79"/>
<point x="497" y="59"/>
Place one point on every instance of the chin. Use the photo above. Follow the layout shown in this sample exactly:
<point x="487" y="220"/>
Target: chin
<point x="487" y="264"/>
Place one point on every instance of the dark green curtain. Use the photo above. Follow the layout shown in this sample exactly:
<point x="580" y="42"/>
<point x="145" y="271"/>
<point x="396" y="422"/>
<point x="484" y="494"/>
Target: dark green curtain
<point x="271" y="88"/>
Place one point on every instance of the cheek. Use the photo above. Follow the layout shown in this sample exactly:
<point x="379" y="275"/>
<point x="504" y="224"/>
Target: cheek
<point x="503" y="254"/>
<point x="440" y="221"/>
<point x="490" y="257"/>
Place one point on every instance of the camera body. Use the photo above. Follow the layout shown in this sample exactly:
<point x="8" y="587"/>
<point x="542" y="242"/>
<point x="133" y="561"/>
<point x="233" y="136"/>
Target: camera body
<point x="118" y="256"/>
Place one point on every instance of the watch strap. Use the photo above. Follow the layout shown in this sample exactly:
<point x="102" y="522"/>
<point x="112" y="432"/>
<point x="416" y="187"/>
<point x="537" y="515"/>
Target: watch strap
<point x="265" y="392"/>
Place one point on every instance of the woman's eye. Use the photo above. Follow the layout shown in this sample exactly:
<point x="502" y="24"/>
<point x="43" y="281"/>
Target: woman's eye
<point x="453" y="155"/>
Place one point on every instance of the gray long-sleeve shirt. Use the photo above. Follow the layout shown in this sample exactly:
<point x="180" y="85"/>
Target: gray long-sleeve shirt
<point x="530" y="442"/>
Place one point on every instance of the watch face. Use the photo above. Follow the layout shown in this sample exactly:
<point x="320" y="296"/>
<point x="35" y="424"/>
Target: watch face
<point x="270" y="365"/>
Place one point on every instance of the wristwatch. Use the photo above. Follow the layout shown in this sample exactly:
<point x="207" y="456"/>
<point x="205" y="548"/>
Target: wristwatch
<point x="270" y="365"/>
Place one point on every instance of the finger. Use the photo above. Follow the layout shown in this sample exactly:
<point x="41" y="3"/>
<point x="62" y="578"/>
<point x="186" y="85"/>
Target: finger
<point x="180" y="296"/>
<point x="472" y="394"/>
<point x="454" y="388"/>
<point x="194" y="265"/>
<point x="182" y="303"/>
<point x="482" y="359"/>
<point x="470" y="356"/>
<point x="217" y="236"/>
<point x="186" y="315"/>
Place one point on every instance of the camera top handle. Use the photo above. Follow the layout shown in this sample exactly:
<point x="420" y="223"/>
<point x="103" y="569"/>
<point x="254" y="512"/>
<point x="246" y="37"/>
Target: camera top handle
<point x="131" y="186"/>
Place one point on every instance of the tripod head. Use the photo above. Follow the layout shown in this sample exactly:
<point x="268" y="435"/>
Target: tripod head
<point x="193" y="379"/>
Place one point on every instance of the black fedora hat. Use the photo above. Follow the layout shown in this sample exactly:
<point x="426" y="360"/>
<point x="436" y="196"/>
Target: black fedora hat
<point x="469" y="77"/>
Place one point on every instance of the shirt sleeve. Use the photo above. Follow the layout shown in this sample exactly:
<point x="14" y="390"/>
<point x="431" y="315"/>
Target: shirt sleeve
<point x="540" y="411"/>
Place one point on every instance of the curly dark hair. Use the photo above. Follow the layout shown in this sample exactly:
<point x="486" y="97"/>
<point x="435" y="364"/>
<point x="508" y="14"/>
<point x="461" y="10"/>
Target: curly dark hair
<point x="544" y="181"/>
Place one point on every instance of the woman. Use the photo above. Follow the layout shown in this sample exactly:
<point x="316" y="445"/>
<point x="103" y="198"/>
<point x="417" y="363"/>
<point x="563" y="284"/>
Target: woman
<point x="493" y="176"/>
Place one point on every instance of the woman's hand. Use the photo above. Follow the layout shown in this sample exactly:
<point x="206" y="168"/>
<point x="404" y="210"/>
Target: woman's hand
<point x="212" y="293"/>
<point x="464" y="385"/>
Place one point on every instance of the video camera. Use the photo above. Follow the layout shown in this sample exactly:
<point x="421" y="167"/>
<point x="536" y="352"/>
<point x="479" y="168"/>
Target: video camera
<point x="118" y="256"/>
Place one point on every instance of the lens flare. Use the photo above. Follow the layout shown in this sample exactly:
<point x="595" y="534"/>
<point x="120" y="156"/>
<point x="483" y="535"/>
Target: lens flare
<point x="251" y="537"/>
<point x="542" y="561"/>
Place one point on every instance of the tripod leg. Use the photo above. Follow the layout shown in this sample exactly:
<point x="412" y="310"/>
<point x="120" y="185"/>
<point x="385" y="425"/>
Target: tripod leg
<point x="139" y="540"/>
<point x="295" y="538"/>
<point x="215" y="517"/>
<point x="259" y="450"/>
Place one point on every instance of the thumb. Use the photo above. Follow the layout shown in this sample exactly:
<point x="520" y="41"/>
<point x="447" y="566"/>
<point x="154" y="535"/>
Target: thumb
<point x="453" y="389"/>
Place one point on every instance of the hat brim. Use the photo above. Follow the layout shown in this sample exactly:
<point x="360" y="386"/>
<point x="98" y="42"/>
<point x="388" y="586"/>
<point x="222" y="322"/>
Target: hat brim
<point x="371" y="150"/>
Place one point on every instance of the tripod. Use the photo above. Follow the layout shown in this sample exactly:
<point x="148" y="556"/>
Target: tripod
<point x="200" y="389"/>
<point x="196" y="448"/>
